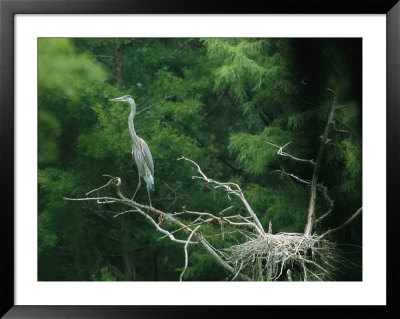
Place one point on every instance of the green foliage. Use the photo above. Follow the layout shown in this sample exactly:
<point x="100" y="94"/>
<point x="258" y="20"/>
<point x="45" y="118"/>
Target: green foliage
<point x="202" y="268"/>
<point x="49" y="132"/>
<point x="217" y="101"/>
<point x="46" y="237"/>
<point x="104" y="275"/>
<point x="62" y="72"/>
<point x="254" y="153"/>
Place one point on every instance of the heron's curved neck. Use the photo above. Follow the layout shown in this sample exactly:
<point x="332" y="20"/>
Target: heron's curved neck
<point x="135" y="138"/>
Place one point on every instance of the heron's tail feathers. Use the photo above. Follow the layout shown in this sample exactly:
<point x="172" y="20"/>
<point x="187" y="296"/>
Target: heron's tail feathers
<point x="150" y="182"/>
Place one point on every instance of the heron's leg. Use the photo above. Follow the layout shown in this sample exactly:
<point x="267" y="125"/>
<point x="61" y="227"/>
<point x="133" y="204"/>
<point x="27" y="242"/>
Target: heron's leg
<point x="148" y="192"/>
<point x="140" y="183"/>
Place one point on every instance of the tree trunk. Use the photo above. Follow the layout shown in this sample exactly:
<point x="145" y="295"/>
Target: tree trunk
<point x="317" y="168"/>
<point x="129" y="268"/>
<point x="155" y="266"/>
<point x="118" y="66"/>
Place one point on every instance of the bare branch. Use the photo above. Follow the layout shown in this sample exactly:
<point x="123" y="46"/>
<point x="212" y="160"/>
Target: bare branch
<point x="231" y="188"/>
<point x="163" y="230"/>
<point x="329" y="232"/>
<point x="339" y="130"/>
<point x="293" y="176"/>
<point x="146" y="210"/>
<point x="324" y="191"/>
<point x="340" y="107"/>
<point x="282" y="153"/>
<point x="222" y="262"/>
<point x="186" y="252"/>
<point x="222" y="220"/>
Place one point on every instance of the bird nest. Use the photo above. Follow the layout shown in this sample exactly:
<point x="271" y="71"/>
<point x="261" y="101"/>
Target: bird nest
<point x="286" y="257"/>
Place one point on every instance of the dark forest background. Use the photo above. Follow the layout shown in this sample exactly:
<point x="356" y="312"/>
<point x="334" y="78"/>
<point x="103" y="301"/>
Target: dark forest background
<point x="216" y="101"/>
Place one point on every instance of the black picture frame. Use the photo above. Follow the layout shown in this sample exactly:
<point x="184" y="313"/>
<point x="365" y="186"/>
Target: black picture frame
<point x="8" y="8"/>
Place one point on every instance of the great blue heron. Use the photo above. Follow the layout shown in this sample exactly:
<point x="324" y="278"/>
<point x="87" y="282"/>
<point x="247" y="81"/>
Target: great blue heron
<point x="140" y="151"/>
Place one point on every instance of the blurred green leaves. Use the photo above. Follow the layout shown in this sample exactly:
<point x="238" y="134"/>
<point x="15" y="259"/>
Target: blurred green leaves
<point x="62" y="72"/>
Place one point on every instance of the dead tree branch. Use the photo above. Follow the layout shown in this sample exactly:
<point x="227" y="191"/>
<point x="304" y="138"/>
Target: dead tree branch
<point x="324" y="192"/>
<point x="231" y="188"/>
<point x="293" y="176"/>
<point x="314" y="182"/>
<point x="153" y="214"/>
<point x="329" y="232"/>
<point x="282" y="153"/>
<point x="186" y="252"/>
<point x="312" y="221"/>
<point x="255" y="254"/>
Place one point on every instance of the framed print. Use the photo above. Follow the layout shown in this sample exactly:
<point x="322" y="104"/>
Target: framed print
<point x="166" y="158"/>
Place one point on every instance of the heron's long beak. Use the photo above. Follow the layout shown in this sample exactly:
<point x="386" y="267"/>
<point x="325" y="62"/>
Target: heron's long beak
<point x="118" y="99"/>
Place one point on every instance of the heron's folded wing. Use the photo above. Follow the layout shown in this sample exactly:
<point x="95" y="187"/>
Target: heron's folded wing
<point x="147" y="156"/>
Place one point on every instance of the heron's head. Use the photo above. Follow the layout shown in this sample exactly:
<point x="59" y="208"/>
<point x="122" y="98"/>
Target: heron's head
<point x="125" y="98"/>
